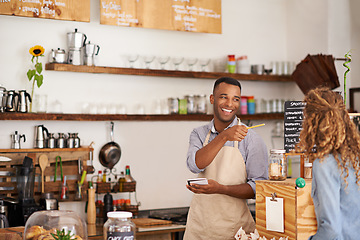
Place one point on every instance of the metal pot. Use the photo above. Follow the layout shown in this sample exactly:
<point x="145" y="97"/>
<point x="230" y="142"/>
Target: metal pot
<point x="76" y="40"/>
<point x="110" y="153"/>
<point x="58" y="56"/>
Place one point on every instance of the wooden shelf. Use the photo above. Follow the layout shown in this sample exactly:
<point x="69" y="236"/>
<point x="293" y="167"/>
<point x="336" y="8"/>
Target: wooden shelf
<point x="164" y="73"/>
<point x="122" y="117"/>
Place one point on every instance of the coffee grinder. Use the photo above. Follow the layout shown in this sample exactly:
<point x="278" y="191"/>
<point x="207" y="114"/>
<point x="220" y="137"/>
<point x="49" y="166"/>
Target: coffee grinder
<point x="20" y="210"/>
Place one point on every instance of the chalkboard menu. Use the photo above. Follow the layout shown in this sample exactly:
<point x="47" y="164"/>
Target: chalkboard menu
<point x="73" y="10"/>
<point x="293" y="119"/>
<point x="179" y="15"/>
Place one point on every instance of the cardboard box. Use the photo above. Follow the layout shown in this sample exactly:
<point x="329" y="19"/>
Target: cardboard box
<point x="299" y="212"/>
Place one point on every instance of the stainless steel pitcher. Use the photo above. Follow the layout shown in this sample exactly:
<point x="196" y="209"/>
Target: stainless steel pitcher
<point x="76" y="40"/>
<point x="10" y="101"/>
<point x="15" y="140"/>
<point x="3" y="96"/>
<point x="22" y="105"/>
<point x="41" y="134"/>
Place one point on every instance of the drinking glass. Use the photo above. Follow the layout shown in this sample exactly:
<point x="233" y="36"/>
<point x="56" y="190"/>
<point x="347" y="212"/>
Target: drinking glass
<point x="163" y="61"/>
<point x="132" y="59"/>
<point x="204" y="63"/>
<point x="191" y="62"/>
<point x="177" y="61"/>
<point x="148" y="60"/>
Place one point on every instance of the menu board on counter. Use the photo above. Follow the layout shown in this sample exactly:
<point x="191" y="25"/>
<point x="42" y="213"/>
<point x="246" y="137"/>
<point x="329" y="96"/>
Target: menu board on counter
<point x="293" y="119"/>
<point x="180" y="15"/>
<point x="72" y="10"/>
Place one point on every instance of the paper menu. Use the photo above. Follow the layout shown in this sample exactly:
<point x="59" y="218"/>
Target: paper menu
<point x="275" y="214"/>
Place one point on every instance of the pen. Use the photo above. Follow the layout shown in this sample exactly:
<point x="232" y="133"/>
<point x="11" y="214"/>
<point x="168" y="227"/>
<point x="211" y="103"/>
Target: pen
<point x="256" y="126"/>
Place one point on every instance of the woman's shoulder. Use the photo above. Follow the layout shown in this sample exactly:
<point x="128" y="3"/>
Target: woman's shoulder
<point x="328" y="161"/>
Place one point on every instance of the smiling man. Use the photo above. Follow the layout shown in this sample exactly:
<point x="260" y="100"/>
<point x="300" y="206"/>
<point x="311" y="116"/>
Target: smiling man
<point x="231" y="157"/>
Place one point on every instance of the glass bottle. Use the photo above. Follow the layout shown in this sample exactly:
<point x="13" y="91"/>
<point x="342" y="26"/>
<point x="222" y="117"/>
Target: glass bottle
<point x="277" y="165"/>
<point x="121" y="181"/>
<point x="119" y="226"/>
<point x="128" y="177"/>
<point x="104" y="177"/>
<point x="99" y="178"/>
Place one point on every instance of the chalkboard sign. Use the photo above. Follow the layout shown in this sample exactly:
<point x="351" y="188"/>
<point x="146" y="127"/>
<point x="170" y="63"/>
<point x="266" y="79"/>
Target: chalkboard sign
<point x="293" y="119"/>
<point x="73" y="10"/>
<point x="180" y="15"/>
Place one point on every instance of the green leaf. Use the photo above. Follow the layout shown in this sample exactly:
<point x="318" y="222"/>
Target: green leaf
<point x="39" y="80"/>
<point x="38" y="67"/>
<point x="30" y="74"/>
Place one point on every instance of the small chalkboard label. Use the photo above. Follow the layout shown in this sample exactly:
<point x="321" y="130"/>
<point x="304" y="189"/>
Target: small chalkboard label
<point x="293" y="119"/>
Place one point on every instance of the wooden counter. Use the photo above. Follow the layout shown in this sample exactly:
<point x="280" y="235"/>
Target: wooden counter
<point x="164" y="232"/>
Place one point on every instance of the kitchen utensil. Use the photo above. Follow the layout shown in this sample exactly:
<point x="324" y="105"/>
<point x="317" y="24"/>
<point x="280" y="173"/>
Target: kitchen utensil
<point x="61" y="141"/>
<point x="204" y="63"/>
<point x="6" y="173"/>
<point x="48" y="201"/>
<point x="76" y="39"/>
<point x="58" y="56"/>
<point x="51" y="141"/>
<point x="5" y="159"/>
<point x="163" y="61"/>
<point x="40" y="136"/>
<point x="10" y="101"/>
<point x="191" y="62"/>
<point x="61" y="169"/>
<point x="177" y="61"/>
<point x="91" y="50"/>
<point x="3" y="96"/>
<point x="148" y="60"/>
<point x="76" y="140"/>
<point x="15" y="140"/>
<point x="75" y="57"/>
<point x="80" y="168"/>
<point x="257" y="69"/>
<point x="110" y="153"/>
<point x="22" y="104"/>
<point x="70" y="141"/>
<point x="4" y="223"/>
<point x="132" y="58"/>
<point x="43" y="162"/>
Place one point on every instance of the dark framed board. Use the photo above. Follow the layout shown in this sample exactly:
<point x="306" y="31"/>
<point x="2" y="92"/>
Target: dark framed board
<point x="72" y="10"/>
<point x="179" y="15"/>
<point x="293" y="118"/>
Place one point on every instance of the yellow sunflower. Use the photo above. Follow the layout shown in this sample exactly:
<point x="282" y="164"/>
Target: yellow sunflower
<point x="37" y="51"/>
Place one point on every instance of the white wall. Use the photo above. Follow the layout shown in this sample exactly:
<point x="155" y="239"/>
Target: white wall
<point x="265" y="30"/>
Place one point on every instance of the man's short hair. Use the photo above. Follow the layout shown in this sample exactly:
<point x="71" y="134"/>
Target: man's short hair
<point x="227" y="80"/>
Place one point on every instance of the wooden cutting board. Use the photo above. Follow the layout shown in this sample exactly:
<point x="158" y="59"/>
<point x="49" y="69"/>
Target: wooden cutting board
<point x="146" y="222"/>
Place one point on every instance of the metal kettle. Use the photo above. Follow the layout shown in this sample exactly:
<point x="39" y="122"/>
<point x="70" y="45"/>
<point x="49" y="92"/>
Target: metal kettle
<point x="3" y="96"/>
<point x="15" y="140"/>
<point x="58" y="56"/>
<point x="76" y="40"/>
<point x="22" y="105"/>
<point x="40" y="136"/>
<point x="10" y="101"/>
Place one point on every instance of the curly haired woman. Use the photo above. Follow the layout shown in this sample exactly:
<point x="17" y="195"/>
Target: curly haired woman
<point x="336" y="165"/>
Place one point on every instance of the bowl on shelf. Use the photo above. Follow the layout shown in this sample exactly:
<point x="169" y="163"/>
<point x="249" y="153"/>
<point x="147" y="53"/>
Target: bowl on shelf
<point x="56" y="222"/>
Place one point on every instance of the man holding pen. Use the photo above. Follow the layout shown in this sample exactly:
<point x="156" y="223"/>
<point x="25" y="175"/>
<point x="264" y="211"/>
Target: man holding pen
<point x="231" y="157"/>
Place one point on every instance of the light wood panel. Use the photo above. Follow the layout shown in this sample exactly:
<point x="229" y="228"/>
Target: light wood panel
<point x="180" y="15"/>
<point x="299" y="212"/>
<point x="73" y="10"/>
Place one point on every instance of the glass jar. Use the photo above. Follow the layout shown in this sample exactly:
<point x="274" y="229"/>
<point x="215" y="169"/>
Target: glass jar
<point x="119" y="226"/>
<point x="201" y="104"/>
<point x="277" y="165"/>
<point x="173" y="105"/>
<point x="191" y="106"/>
<point x="51" y="221"/>
<point x="307" y="170"/>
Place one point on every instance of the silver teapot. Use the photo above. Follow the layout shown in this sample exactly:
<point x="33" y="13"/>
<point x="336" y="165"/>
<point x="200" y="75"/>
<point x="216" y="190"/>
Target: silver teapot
<point x="40" y="136"/>
<point x="58" y="56"/>
<point x="10" y="101"/>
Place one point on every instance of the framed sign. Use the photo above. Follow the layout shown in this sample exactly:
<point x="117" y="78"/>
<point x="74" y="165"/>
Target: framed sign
<point x="293" y="119"/>
<point x="72" y="10"/>
<point x="179" y="15"/>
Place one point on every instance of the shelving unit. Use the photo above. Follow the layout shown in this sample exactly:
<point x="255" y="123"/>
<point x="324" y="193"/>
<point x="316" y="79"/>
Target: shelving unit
<point x="164" y="73"/>
<point x="123" y="117"/>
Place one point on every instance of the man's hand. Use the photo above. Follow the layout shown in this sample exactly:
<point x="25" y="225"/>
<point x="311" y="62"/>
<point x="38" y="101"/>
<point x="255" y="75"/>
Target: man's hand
<point x="235" y="133"/>
<point x="210" y="188"/>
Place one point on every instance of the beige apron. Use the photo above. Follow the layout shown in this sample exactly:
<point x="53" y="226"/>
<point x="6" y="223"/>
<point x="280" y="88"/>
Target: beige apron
<point x="218" y="216"/>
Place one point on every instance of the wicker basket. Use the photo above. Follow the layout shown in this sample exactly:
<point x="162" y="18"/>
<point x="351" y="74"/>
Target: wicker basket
<point x="103" y="187"/>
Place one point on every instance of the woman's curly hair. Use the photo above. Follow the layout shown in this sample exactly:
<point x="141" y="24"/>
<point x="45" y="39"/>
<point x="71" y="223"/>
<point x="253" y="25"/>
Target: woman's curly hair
<point x="328" y="129"/>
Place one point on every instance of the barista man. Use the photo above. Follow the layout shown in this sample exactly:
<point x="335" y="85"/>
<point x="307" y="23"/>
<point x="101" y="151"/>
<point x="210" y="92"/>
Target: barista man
<point x="231" y="157"/>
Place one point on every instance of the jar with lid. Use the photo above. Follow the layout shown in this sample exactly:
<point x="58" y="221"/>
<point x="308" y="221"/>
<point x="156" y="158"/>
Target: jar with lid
<point x="119" y="226"/>
<point x="307" y="170"/>
<point x="200" y="103"/>
<point x="277" y="164"/>
<point x="191" y="106"/>
<point x="173" y="105"/>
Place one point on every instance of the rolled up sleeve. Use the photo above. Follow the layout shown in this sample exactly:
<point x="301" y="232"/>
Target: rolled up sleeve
<point x="194" y="145"/>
